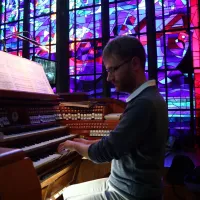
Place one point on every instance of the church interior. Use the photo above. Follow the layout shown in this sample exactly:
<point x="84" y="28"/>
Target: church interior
<point x="53" y="87"/>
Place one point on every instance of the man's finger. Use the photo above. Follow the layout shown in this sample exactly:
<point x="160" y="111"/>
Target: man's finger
<point x="60" y="147"/>
<point x="78" y="140"/>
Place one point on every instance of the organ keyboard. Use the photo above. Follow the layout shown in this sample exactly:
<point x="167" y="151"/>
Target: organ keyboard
<point x="36" y="124"/>
<point x="32" y="123"/>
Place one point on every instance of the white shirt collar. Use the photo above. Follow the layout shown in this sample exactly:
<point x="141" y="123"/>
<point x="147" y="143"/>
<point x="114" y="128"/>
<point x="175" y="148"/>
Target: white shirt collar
<point x="140" y="89"/>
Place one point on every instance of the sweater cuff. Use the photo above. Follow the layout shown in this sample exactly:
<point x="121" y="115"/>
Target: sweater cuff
<point x="91" y="152"/>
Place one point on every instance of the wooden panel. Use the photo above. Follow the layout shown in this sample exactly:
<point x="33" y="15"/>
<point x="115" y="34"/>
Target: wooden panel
<point x="44" y="192"/>
<point x="8" y="156"/>
<point x="59" y="184"/>
<point x="19" y="181"/>
<point x="59" y="180"/>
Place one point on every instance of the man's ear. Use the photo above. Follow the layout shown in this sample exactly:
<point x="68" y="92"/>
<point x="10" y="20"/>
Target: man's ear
<point x="135" y="62"/>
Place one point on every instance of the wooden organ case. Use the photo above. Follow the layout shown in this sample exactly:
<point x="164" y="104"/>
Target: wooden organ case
<point x="30" y="122"/>
<point x="30" y="132"/>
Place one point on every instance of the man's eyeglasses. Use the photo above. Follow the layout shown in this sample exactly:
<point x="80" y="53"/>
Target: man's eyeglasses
<point x="111" y="70"/>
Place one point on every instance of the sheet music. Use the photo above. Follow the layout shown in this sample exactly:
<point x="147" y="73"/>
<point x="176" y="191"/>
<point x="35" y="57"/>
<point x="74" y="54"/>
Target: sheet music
<point x="20" y="74"/>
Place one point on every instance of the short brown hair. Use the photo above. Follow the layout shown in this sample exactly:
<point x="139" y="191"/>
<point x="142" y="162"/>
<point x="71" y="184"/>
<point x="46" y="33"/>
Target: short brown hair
<point x="125" y="47"/>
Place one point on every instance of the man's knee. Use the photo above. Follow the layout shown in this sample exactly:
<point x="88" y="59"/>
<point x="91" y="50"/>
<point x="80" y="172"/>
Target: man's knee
<point x="68" y="191"/>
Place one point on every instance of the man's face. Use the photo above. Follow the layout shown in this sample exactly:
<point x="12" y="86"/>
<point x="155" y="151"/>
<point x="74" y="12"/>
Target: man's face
<point x="120" y="73"/>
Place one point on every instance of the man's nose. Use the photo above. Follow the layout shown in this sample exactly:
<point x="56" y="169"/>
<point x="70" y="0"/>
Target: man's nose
<point x="109" y="77"/>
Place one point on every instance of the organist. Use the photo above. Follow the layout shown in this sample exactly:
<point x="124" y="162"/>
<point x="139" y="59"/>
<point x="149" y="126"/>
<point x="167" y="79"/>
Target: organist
<point x="137" y="145"/>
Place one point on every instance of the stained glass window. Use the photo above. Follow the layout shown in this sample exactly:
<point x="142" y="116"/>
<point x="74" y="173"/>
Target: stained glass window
<point x="42" y="24"/>
<point x="12" y="13"/>
<point x="43" y="28"/>
<point x="175" y="36"/>
<point x="85" y="47"/>
<point x="177" y="40"/>
<point x="125" y="17"/>
<point x="194" y="22"/>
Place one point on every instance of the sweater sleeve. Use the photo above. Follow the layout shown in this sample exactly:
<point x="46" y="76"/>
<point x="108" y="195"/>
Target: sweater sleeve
<point x="133" y="126"/>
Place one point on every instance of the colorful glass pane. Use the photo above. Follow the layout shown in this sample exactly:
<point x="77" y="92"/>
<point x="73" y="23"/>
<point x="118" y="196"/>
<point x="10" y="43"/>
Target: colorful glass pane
<point x="53" y="5"/>
<point x="84" y="24"/>
<point x="41" y="7"/>
<point x="85" y="60"/>
<point x="98" y="56"/>
<point x="44" y="31"/>
<point x="71" y="26"/>
<point x="178" y="90"/>
<point x="129" y="19"/>
<point x="179" y="122"/>
<point x="98" y="22"/>
<point x="159" y="15"/>
<point x="41" y="29"/>
<point x="8" y="33"/>
<point x="38" y="52"/>
<point x="85" y="83"/>
<point x="3" y="11"/>
<point x="82" y="3"/>
<point x="194" y="9"/>
<point x="72" y="60"/>
<point x="72" y="84"/>
<point x="88" y="24"/>
<point x="71" y="4"/>
<point x="14" y="10"/>
<point x="174" y="13"/>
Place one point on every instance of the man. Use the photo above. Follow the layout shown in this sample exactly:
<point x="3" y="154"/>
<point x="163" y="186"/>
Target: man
<point x="136" y="146"/>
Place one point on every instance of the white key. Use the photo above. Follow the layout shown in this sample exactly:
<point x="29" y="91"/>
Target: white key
<point x="42" y="144"/>
<point x="46" y="160"/>
<point x="30" y="133"/>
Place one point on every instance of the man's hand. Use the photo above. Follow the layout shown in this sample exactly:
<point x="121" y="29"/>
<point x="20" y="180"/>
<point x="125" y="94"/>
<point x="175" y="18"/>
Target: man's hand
<point x="80" y="147"/>
<point x="68" y="144"/>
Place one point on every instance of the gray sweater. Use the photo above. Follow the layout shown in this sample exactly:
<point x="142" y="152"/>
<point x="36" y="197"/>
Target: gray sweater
<point x="136" y="147"/>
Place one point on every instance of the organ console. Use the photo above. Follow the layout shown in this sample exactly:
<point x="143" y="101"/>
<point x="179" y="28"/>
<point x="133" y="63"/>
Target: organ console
<point x="33" y="121"/>
<point x="30" y="132"/>
<point x="37" y="123"/>
<point x="30" y="122"/>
